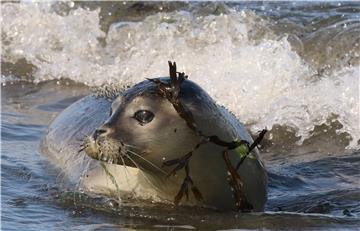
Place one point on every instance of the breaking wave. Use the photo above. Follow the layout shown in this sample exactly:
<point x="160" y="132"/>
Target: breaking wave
<point x="245" y="66"/>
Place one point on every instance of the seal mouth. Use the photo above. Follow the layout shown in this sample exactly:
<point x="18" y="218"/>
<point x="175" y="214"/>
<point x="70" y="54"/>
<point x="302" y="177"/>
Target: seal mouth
<point x="106" y="150"/>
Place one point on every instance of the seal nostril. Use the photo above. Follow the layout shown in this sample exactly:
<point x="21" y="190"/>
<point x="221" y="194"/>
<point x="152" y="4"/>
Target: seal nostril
<point x="101" y="132"/>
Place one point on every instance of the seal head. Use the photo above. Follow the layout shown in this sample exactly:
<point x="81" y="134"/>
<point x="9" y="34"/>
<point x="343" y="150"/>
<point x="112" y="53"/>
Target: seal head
<point x="142" y="123"/>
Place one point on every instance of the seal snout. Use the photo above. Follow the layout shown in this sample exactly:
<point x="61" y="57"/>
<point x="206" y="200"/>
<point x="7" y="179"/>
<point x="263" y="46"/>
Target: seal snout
<point x="101" y="147"/>
<point x="102" y="131"/>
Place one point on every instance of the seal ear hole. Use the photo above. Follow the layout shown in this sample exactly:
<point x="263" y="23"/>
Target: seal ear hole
<point x="144" y="116"/>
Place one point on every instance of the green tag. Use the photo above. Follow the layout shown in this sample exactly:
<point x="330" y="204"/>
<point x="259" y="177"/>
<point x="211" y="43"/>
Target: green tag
<point x="242" y="150"/>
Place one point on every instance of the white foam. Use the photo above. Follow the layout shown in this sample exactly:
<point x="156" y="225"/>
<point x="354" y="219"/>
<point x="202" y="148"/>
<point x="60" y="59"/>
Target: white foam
<point x="264" y="83"/>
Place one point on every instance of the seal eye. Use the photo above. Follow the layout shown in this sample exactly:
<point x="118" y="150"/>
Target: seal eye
<point x="144" y="116"/>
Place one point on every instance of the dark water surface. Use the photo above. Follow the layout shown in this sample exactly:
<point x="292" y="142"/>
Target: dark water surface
<point x="309" y="51"/>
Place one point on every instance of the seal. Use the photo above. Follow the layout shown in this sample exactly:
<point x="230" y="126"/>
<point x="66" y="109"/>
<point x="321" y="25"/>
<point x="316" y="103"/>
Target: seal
<point x="159" y="139"/>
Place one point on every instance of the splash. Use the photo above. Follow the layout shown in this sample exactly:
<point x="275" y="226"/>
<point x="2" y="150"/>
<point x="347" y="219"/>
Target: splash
<point x="263" y="81"/>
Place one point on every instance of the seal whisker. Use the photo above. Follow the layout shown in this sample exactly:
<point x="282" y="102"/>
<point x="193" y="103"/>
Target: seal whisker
<point x="131" y="146"/>
<point x="81" y="149"/>
<point x="141" y="171"/>
<point x="126" y="175"/>
<point x="148" y="161"/>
